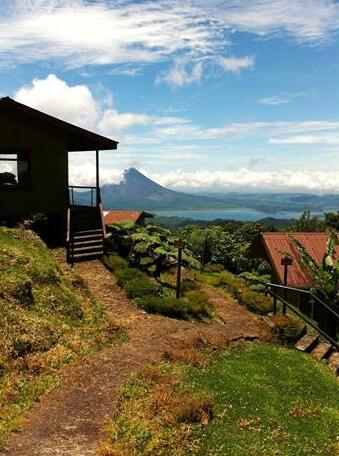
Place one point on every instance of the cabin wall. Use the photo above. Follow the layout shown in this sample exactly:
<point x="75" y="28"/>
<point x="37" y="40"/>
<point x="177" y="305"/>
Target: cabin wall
<point x="48" y="191"/>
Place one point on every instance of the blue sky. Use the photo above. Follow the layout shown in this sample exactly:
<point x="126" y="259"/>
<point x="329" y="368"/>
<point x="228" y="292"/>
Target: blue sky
<point x="219" y="95"/>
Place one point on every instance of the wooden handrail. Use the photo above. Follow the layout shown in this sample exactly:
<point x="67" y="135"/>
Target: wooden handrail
<point x="81" y="186"/>
<point x="102" y="220"/>
<point x="68" y="236"/>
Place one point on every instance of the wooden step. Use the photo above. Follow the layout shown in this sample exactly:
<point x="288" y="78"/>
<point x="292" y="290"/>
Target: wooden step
<point x="88" y="236"/>
<point x="82" y="256"/>
<point x="87" y="232"/>
<point x="83" y="242"/>
<point x="333" y="362"/>
<point x="88" y="248"/>
<point x="307" y="342"/>
<point x="322" y="350"/>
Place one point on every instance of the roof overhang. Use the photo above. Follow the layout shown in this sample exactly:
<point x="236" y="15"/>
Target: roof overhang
<point x="79" y="139"/>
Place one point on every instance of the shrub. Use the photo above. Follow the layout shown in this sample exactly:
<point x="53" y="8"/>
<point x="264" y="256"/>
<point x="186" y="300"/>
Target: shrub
<point x="214" y="267"/>
<point x="125" y="275"/>
<point x="140" y="287"/>
<point x="256" y="302"/>
<point x="114" y="262"/>
<point x="174" y="308"/>
<point x="188" y="285"/>
<point x="288" y="329"/>
<point x="253" y="278"/>
<point x="196" y="297"/>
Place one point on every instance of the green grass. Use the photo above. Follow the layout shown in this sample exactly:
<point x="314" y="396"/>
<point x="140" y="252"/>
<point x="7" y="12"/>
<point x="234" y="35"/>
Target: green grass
<point x="269" y="401"/>
<point x="242" y="292"/>
<point x="47" y="319"/>
<point x="258" y="400"/>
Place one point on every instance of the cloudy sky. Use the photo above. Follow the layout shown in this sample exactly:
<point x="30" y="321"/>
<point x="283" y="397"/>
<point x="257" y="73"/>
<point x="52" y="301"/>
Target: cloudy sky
<point x="221" y="95"/>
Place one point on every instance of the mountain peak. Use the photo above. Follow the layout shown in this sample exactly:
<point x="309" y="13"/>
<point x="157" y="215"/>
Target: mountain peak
<point x="137" y="191"/>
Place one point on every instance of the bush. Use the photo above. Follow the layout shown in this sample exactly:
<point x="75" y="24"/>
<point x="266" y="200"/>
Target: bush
<point x="140" y="287"/>
<point x="125" y="275"/>
<point x="188" y="285"/>
<point x="288" y="329"/>
<point x="256" y="302"/>
<point x="253" y="278"/>
<point x="196" y="297"/>
<point x="214" y="267"/>
<point x="114" y="262"/>
<point x="174" y="308"/>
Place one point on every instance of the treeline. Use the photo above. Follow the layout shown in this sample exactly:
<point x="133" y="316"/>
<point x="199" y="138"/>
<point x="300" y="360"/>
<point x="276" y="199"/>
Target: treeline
<point x="228" y="242"/>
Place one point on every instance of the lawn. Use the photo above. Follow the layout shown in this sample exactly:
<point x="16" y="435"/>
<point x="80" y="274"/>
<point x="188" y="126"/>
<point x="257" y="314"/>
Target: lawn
<point x="269" y="401"/>
<point x="266" y="401"/>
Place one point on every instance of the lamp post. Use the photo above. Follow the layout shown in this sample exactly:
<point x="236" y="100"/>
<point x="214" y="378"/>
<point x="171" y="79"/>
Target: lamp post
<point x="285" y="262"/>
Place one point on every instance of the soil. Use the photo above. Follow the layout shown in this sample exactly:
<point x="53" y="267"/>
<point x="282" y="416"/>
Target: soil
<point x="69" y="419"/>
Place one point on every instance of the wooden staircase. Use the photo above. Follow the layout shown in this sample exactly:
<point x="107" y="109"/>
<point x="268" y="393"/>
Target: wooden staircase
<point x="85" y="233"/>
<point x="323" y="351"/>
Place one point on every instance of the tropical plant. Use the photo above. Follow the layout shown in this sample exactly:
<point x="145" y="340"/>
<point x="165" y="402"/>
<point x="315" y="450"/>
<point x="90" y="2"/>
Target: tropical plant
<point x="325" y="278"/>
<point x="149" y="248"/>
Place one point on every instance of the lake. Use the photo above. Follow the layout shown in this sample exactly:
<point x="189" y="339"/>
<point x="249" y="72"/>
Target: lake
<point x="241" y="214"/>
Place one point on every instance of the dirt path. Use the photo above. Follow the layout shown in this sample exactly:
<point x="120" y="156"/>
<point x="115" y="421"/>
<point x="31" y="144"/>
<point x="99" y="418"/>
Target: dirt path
<point x="69" y="419"/>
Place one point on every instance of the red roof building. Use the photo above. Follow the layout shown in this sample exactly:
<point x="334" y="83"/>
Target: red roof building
<point x="280" y="245"/>
<point x="137" y="217"/>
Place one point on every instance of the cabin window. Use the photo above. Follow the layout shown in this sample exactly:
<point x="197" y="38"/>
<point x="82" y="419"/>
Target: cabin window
<point x="14" y="170"/>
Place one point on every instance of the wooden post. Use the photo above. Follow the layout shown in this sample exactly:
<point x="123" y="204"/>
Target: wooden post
<point x="286" y="262"/>
<point x="275" y="305"/>
<point x="97" y="177"/>
<point x="179" y="244"/>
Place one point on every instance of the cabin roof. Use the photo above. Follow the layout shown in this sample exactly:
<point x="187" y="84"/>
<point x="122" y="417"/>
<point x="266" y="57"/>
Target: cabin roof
<point x="279" y="245"/>
<point x="112" y="217"/>
<point x="79" y="139"/>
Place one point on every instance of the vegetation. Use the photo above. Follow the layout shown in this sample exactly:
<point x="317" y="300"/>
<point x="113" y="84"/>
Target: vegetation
<point x="226" y="244"/>
<point x="150" y="248"/>
<point x="288" y="328"/>
<point x="158" y="297"/>
<point x="254" y="301"/>
<point x="325" y="279"/>
<point x="252" y="400"/>
<point x="47" y="319"/>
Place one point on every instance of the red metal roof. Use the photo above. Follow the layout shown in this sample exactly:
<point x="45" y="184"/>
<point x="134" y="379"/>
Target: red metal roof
<point x="279" y="245"/>
<point x="124" y="216"/>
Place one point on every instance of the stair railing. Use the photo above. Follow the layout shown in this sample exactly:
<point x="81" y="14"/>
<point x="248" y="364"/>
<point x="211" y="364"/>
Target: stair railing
<point x="69" y="238"/>
<point x="270" y="289"/>
<point x="82" y="194"/>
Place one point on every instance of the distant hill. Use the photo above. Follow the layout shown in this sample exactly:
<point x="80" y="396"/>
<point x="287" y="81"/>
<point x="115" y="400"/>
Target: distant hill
<point x="137" y="191"/>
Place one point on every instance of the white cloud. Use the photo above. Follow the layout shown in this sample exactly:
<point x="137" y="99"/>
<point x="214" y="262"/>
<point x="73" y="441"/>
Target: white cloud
<point x="54" y="96"/>
<point x="183" y="72"/>
<point x="306" y="20"/>
<point x="243" y="179"/>
<point x="254" y="180"/>
<point x="77" y="33"/>
<point x="276" y="100"/>
<point x="235" y="64"/>
<point x="307" y="139"/>
<point x="112" y="120"/>
<point x="76" y="104"/>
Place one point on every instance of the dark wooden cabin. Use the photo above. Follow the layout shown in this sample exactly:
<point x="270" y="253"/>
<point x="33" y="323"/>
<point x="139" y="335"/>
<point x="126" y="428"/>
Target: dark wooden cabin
<point x="34" y="149"/>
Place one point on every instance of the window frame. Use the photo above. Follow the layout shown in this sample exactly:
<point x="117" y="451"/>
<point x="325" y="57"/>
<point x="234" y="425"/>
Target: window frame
<point x="25" y="153"/>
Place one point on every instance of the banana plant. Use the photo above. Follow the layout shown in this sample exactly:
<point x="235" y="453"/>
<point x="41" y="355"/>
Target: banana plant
<point x="325" y="276"/>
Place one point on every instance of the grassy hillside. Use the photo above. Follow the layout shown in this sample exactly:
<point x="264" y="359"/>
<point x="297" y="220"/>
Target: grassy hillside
<point x="47" y="319"/>
<point x="259" y="400"/>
